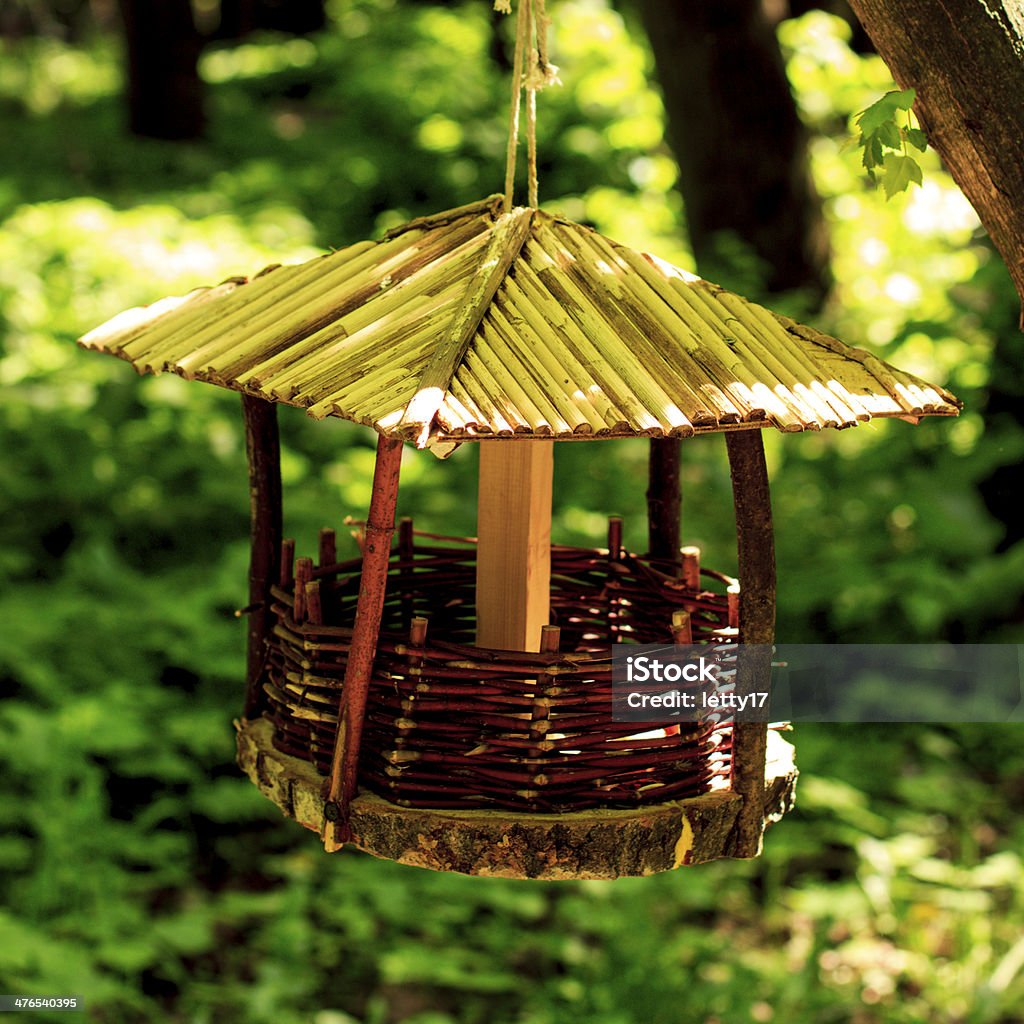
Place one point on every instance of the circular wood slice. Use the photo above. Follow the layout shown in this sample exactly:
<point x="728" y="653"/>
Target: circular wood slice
<point x="508" y="844"/>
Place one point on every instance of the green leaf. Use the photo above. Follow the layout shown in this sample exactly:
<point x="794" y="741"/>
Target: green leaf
<point x="889" y="135"/>
<point x="872" y="152"/>
<point x="916" y="138"/>
<point x="905" y="98"/>
<point x="900" y="171"/>
<point x="884" y="110"/>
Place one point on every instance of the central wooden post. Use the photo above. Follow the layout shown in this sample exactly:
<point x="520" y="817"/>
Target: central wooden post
<point x="513" y="561"/>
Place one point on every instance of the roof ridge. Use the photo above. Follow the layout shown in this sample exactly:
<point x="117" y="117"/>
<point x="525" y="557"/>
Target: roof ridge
<point x="508" y="236"/>
<point x="435" y="220"/>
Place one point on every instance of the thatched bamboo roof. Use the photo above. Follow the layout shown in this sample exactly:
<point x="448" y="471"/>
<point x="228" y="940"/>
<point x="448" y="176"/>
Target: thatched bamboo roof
<point x="473" y="324"/>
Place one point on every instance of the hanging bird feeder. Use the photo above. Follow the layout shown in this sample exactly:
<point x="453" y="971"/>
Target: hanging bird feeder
<point x="446" y="702"/>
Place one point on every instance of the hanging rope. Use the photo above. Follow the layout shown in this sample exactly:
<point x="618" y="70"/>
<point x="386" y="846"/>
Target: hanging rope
<point x="522" y="30"/>
<point x="531" y="38"/>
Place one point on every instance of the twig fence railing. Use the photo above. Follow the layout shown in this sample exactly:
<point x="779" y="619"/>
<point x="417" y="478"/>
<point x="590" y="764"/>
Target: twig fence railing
<point x="452" y="725"/>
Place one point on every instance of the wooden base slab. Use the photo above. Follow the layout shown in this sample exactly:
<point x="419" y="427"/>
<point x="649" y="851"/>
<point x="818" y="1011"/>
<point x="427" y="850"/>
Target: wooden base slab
<point x="585" y="844"/>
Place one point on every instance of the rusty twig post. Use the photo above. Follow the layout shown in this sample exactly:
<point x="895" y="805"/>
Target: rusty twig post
<point x="690" y="573"/>
<point x="682" y="627"/>
<point x="380" y="525"/>
<point x="328" y="548"/>
<point x="263" y="450"/>
<point x="287" y="574"/>
<point x="614" y="555"/>
<point x="406" y="572"/>
<point x="756" y="551"/>
<point x="303" y="575"/>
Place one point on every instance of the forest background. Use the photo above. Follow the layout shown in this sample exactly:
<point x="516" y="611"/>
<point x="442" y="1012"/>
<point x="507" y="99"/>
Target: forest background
<point x="140" y="870"/>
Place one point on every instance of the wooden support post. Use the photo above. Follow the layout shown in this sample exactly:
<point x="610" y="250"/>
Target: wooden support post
<point x="263" y="449"/>
<point x="380" y="525"/>
<point x="756" y="551"/>
<point x="663" y="498"/>
<point x="513" y="560"/>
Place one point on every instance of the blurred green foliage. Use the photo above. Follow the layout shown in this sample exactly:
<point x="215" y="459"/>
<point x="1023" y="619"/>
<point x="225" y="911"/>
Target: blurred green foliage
<point x="136" y="867"/>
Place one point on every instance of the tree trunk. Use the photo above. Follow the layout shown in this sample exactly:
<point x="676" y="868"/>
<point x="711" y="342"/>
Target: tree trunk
<point x="860" y="41"/>
<point x="965" y="59"/>
<point x="741" y="147"/>
<point x="1004" y="417"/>
<point x="165" y="93"/>
<point x="297" y="17"/>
